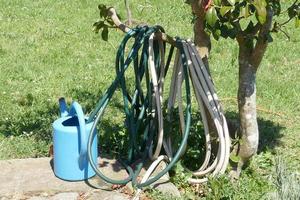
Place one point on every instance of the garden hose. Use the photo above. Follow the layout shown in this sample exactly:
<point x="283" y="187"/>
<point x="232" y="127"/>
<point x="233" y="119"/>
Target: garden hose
<point x="143" y="108"/>
<point x="206" y="94"/>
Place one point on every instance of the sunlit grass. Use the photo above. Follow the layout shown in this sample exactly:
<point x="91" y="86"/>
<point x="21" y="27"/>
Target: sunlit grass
<point x="48" y="50"/>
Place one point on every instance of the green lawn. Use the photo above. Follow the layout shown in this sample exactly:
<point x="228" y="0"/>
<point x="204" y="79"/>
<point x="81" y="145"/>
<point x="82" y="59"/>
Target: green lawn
<point x="48" y="50"/>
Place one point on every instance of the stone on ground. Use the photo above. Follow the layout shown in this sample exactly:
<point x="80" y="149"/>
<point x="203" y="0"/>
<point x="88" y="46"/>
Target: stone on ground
<point x="34" y="179"/>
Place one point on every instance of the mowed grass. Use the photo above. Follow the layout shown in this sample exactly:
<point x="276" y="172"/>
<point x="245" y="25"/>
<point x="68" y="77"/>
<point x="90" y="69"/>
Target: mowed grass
<point x="48" y="50"/>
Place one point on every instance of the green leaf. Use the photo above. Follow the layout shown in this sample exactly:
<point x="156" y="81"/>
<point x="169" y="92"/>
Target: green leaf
<point x="244" y="11"/>
<point x="228" y="25"/>
<point x="103" y="11"/>
<point x="297" y="22"/>
<point x="253" y="19"/>
<point x="211" y="16"/>
<point x="98" y="25"/>
<point x="250" y="27"/>
<point x="111" y="22"/>
<point x="292" y="12"/>
<point x="217" y="34"/>
<point x="276" y="6"/>
<point x="232" y="2"/>
<point x="232" y="33"/>
<point x="101" y="6"/>
<point x="217" y="2"/>
<point x="244" y="23"/>
<point x="261" y="10"/>
<point x="224" y="10"/>
<point x="234" y="158"/>
<point x="227" y="30"/>
<point x="262" y="15"/>
<point x="104" y="33"/>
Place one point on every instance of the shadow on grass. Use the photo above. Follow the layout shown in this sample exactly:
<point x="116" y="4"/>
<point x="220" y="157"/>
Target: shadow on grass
<point x="112" y="135"/>
<point x="88" y="100"/>
<point x="269" y="132"/>
<point x="34" y="120"/>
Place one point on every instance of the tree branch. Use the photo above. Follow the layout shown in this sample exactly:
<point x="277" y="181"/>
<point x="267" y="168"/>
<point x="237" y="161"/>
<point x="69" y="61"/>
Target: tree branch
<point x="287" y="21"/>
<point x="114" y="17"/>
<point x="201" y="38"/>
<point x="158" y="36"/>
<point x="262" y="41"/>
<point x="255" y="29"/>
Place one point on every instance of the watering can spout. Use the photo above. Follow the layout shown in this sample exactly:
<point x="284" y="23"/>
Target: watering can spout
<point x="63" y="107"/>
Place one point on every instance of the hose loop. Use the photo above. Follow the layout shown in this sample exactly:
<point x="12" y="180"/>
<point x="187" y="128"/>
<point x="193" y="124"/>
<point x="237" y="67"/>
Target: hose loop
<point x="144" y="107"/>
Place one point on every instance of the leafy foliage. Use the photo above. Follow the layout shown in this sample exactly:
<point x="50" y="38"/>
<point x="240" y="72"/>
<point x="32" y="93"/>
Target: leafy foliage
<point x="228" y="18"/>
<point x="105" y="23"/>
<point x="43" y="60"/>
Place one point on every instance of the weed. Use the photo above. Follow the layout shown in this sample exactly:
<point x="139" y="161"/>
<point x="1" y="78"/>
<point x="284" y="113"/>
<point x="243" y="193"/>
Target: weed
<point x="287" y="183"/>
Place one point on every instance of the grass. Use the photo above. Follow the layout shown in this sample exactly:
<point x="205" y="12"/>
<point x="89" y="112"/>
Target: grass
<point x="48" y="50"/>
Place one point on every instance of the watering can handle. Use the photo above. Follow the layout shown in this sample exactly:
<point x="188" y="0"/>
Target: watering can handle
<point x="77" y="109"/>
<point x="63" y="107"/>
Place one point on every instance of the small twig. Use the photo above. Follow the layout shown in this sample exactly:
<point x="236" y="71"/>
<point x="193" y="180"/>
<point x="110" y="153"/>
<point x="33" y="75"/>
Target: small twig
<point x="113" y="15"/>
<point x="296" y="1"/>
<point x="228" y="99"/>
<point x="259" y="108"/>
<point x="285" y="33"/>
<point x="262" y="41"/>
<point x="158" y="36"/>
<point x="287" y="21"/>
<point x="129" y="16"/>
<point x="270" y="112"/>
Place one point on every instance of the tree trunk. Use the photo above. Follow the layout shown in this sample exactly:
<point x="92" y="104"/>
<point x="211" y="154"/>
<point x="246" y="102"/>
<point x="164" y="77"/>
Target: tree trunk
<point x="250" y="57"/>
<point x="248" y="129"/>
<point x="201" y="38"/>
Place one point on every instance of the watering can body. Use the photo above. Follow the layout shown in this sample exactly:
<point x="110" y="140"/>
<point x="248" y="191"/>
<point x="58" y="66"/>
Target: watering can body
<point x="70" y="139"/>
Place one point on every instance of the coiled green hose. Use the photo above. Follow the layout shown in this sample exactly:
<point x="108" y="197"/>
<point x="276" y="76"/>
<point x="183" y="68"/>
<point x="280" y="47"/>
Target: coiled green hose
<point x="143" y="110"/>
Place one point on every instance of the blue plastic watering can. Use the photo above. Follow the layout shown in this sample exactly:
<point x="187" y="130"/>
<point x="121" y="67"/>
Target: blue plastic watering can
<point x="70" y="139"/>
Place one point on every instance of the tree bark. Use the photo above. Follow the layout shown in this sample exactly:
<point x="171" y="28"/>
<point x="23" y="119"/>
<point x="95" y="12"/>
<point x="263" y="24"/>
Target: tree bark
<point x="203" y="45"/>
<point x="250" y="57"/>
<point x="201" y="38"/>
<point x="248" y="128"/>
